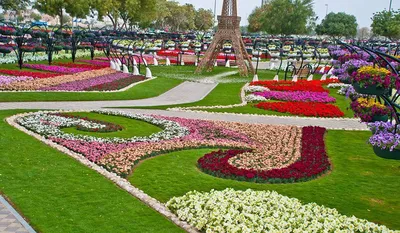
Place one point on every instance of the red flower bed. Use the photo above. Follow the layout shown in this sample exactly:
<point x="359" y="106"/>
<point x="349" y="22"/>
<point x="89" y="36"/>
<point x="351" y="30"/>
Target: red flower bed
<point x="117" y="84"/>
<point x="302" y="85"/>
<point x="85" y="66"/>
<point x="29" y="73"/>
<point x="313" y="162"/>
<point x="303" y="109"/>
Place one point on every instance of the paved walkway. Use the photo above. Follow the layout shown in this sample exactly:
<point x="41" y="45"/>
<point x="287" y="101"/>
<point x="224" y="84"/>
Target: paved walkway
<point x="187" y="92"/>
<point x="11" y="221"/>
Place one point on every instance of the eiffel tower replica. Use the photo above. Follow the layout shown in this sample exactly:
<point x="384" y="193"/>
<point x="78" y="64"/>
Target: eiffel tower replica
<point x="228" y="30"/>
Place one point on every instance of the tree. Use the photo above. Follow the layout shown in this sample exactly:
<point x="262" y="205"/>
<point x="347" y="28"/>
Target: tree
<point x="36" y="17"/>
<point x="75" y="8"/>
<point x="255" y="24"/>
<point x="286" y="17"/>
<point x="162" y="13"/>
<point x="14" y="5"/>
<point x="386" y="23"/>
<point x="363" y="33"/>
<point x="204" y="19"/>
<point x="338" y="25"/>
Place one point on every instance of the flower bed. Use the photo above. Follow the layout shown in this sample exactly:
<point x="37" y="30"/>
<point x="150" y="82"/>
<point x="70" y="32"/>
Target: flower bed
<point x="384" y="135"/>
<point x="265" y="148"/>
<point x="311" y="86"/>
<point x="117" y="84"/>
<point x="96" y="63"/>
<point x="10" y="79"/>
<point x="298" y="96"/>
<point x="262" y="211"/>
<point x="312" y="163"/>
<point x="28" y="73"/>
<point x="37" y="84"/>
<point x="303" y="109"/>
<point x="84" y="66"/>
<point x="56" y="69"/>
<point x="82" y="85"/>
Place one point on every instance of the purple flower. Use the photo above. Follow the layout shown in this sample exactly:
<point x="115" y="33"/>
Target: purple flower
<point x="56" y="69"/>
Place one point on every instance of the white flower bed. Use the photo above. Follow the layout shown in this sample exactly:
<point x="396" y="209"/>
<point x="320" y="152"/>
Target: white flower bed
<point x="12" y="58"/>
<point x="252" y="89"/>
<point x="255" y="98"/>
<point x="251" y="211"/>
<point x="337" y="85"/>
<point x="48" y="125"/>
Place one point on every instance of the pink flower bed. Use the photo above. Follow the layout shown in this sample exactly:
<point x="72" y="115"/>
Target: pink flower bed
<point x="10" y="79"/>
<point x="96" y="63"/>
<point x="55" y="69"/>
<point x="298" y="96"/>
<point x="82" y="85"/>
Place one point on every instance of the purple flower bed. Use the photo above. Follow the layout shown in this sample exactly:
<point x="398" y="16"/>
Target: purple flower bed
<point x="298" y="96"/>
<point x="82" y="85"/>
<point x="56" y="69"/>
<point x="10" y="79"/>
<point x="96" y="63"/>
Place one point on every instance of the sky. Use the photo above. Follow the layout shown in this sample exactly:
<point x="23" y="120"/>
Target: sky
<point x="362" y="9"/>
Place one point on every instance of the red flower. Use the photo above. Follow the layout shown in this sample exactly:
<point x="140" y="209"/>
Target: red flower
<point x="312" y="163"/>
<point x="29" y="73"/>
<point x="303" y="109"/>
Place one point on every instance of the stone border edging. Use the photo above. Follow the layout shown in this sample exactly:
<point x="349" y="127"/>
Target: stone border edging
<point x="121" y="182"/>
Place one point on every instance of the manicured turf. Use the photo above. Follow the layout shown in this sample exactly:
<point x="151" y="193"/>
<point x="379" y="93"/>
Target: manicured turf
<point x="131" y="127"/>
<point x="360" y="184"/>
<point x="58" y="194"/>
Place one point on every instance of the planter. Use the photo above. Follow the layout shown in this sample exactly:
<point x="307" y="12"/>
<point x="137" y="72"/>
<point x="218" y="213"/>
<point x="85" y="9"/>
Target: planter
<point x="370" y="90"/>
<point x="376" y="118"/>
<point x="387" y="154"/>
<point x="345" y="81"/>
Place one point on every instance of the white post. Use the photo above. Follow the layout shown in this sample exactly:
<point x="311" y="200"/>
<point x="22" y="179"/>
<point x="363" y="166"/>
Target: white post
<point x="125" y="69"/>
<point x="148" y="73"/>
<point x="155" y="62"/>
<point x="135" y="70"/>
<point x="276" y="78"/>
<point x="228" y="64"/>
<point x="167" y="62"/>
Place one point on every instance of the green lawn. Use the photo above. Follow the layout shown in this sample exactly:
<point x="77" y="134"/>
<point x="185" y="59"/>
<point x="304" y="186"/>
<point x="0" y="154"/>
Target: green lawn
<point x="58" y="194"/>
<point x="360" y="184"/>
<point x="131" y="127"/>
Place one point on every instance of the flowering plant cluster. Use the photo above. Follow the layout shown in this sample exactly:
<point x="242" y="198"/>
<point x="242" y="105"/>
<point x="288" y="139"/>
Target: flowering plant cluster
<point x="254" y="98"/>
<point x="337" y="85"/>
<point x="303" y="109"/>
<point x="367" y="108"/>
<point x="96" y="62"/>
<point x="298" y="96"/>
<point x="371" y="76"/>
<point x="385" y="135"/>
<point x="252" y="211"/>
<point x="5" y="30"/>
<point x="56" y="69"/>
<point x="313" y="162"/>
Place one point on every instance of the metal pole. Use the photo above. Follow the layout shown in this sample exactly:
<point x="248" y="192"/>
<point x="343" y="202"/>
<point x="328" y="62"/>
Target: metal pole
<point x="390" y="6"/>
<point x="215" y="11"/>
<point x="327" y="7"/>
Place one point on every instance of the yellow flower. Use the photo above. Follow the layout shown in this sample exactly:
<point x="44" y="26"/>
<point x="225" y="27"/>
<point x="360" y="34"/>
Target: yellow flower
<point x="369" y="103"/>
<point x="373" y="71"/>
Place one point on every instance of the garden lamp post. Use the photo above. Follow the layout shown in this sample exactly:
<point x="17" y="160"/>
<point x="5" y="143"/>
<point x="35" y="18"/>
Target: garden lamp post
<point x="390" y="5"/>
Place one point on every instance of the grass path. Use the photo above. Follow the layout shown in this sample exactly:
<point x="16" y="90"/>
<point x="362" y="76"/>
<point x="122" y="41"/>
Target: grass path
<point x="360" y="184"/>
<point x="58" y="194"/>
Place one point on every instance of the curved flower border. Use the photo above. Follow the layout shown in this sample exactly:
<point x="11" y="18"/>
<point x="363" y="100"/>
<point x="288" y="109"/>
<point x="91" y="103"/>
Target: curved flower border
<point x="312" y="163"/>
<point x="48" y="125"/>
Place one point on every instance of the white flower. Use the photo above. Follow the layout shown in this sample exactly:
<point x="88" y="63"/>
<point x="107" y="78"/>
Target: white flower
<point x="262" y="211"/>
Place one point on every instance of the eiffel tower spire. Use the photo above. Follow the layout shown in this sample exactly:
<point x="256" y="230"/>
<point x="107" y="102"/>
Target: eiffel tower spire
<point x="228" y="30"/>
